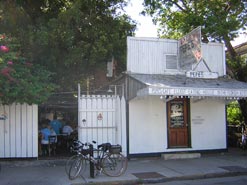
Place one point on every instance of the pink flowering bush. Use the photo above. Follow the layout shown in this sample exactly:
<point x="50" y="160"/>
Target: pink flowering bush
<point x="21" y="81"/>
<point x="4" y="49"/>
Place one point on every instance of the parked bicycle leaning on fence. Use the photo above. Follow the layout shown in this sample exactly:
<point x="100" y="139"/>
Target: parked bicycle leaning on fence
<point x="107" y="158"/>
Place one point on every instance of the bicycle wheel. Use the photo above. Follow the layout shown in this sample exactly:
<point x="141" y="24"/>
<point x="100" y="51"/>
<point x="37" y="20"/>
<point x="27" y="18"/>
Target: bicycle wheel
<point x="69" y="162"/>
<point x="114" y="165"/>
<point x="76" y="167"/>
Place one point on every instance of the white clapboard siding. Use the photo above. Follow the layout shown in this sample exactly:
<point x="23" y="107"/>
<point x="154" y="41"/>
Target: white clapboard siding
<point x="150" y="56"/>
<point x="19" y="131"/>
<point x="110" y="128"/>
<point x="147" y="55"/>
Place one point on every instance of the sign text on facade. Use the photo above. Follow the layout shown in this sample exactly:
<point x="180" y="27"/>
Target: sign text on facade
<point x="197" y="92"/>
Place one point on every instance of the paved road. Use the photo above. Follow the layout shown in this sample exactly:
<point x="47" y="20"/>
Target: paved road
<point x="237" y="180"/>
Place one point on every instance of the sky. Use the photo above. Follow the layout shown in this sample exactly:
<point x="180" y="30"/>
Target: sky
<point x="145" y="27"/>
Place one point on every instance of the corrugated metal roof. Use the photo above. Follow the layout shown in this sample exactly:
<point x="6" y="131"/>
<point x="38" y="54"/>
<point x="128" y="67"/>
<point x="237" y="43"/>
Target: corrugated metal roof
<point x="184" y="86"/>
<point x="183" y="81"/>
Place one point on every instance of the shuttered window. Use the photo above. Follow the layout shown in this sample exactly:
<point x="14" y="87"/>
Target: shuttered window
<point x="171" y="62"/>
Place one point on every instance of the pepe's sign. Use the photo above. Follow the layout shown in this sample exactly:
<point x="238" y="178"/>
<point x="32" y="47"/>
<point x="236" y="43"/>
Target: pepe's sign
<point x="202" y="74"/>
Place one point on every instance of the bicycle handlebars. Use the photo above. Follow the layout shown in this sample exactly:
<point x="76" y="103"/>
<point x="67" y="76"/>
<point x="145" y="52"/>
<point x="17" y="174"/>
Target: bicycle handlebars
<point x="78" y="146"/>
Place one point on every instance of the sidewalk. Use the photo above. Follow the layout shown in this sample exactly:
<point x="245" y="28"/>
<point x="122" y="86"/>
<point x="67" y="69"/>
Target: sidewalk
<point x="140" y="171"/>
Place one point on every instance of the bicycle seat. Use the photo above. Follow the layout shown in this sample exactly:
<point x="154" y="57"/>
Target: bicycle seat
<point x="104" y="146"/>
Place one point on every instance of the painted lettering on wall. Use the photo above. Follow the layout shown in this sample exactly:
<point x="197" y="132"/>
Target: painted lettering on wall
<point x="196" y="92"/>
<point x="197" y="120"/>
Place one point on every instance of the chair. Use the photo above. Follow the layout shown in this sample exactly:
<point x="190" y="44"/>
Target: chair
<point x="52" y="144"/>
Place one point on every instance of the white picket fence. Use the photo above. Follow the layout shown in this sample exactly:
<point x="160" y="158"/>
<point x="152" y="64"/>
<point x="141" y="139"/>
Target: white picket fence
<point x="102" y="119"/>
<point x="18" y="131"/>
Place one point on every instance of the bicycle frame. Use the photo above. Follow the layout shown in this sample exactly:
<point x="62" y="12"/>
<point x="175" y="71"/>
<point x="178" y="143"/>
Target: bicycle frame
<point x="106" y="158"/>
<point x="101" y="152"/>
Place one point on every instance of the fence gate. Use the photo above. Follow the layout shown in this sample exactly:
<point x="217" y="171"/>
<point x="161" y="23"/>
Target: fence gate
<point x="102" y="118"/>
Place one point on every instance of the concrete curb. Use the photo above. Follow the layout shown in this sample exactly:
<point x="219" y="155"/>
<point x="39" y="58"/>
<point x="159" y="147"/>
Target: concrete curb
<point x="166" y="179"/>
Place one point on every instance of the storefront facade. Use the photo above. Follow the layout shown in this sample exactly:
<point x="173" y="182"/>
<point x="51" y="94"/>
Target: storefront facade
<point x="176" y="106"/>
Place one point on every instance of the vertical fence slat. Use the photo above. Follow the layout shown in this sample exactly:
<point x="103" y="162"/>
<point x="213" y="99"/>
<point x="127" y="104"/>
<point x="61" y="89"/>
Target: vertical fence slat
<point x="118" y="121"/>
<point x="35" y="130"/>
<point x="82" y="116"/>
<point x="111" y="119"/>
<point x="123" y="131"/>
<point x="12" y="120"/>
<point x="93" y="120"/>
<point x="104" y="122"/>
<point x="2" y="131"/>
<point x="18" y="130"/>
<point x="30" y="136"/>
<point x="100" y="123"/>
<point x="7" y="131"/>
<point x="23" y="130"/>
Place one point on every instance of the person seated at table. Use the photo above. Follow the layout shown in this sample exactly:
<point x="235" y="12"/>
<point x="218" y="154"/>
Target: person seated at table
<point x="56" y="125"/>
<point x="67" y="129"/>
<point x="46" y="132"/>
<point x="52" y="142"/>
<point x="53" y="133"/>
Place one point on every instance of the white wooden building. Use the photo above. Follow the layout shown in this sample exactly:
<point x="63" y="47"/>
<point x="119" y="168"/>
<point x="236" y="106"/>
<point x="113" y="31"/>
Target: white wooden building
<point x="176" y="109"/>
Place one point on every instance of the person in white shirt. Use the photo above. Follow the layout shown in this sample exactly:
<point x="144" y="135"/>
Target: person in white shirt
<point x="67" y="129"/>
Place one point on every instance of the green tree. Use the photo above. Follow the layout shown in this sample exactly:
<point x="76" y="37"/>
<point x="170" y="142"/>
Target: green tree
<point x="21" y="81"/>
<point x="70" y="38"/>
<point x="221" y="21"/>
<point x="234" y="114"/>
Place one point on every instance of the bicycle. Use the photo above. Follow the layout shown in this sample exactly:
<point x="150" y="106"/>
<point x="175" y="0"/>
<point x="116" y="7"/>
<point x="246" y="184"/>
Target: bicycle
<point x="108" y="160"/>
<point x="75" y="148"/>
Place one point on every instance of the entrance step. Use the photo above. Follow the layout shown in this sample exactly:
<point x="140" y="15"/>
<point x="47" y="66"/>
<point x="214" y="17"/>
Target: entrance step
<point x="181" y="156"/>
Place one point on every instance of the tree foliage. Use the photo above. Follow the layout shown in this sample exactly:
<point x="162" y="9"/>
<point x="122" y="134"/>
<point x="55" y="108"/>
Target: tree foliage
<point x="21" y="81"/>
<point x="234" y="114"/>
<point x="71" y="38"/>
<point x="220" y="19"/>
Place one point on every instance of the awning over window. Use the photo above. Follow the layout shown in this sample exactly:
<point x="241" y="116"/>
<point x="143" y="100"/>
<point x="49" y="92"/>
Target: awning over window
<point x="180" y="85"/>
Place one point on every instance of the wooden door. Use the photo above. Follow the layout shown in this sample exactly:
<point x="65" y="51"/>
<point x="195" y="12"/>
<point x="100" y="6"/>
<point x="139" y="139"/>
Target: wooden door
<point x="177" y="123"/>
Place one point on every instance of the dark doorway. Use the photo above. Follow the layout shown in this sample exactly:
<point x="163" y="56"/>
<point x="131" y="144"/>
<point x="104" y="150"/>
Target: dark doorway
<point x="64" y="106"/>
